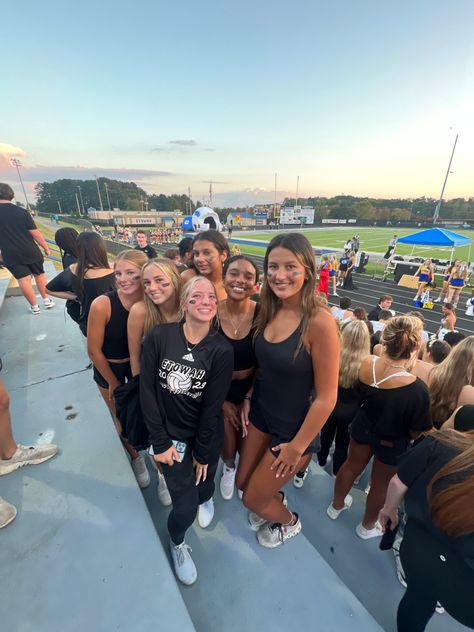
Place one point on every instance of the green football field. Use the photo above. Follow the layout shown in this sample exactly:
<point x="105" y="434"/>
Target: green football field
<point x="372" y="239"/>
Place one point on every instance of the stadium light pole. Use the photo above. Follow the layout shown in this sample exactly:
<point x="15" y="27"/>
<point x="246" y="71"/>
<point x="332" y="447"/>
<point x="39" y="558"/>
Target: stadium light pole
<point x="82" y="201"/>
<point x="98" y="191"/>
<point x="438" y="205"/>
<point x="107" y="193"/>
<point x="17" y="163"/>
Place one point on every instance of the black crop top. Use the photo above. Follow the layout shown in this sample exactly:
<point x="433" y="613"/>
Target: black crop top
<point x="244" y="352"/>
<point x="115" y="345"/>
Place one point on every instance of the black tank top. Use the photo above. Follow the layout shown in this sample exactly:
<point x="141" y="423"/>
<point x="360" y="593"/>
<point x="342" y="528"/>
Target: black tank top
<point x="284" y="387"/>
<point x="115" y="346"/>
<point x="244" y="358"/>
<point x="244" y="352"/>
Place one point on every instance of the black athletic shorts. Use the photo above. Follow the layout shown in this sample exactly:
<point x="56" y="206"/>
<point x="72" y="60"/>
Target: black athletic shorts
<point x="279" y="433"/>
<point x="121" y="370"/>
<point x="21" y="270"/>
<point x="388" y="450"/>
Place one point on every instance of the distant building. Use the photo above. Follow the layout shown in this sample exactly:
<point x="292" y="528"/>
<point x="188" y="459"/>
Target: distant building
<point x="133" y="218"/>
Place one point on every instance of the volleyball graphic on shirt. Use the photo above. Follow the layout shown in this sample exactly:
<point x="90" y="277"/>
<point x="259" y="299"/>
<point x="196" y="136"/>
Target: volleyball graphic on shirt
<point x="178" y="382"/>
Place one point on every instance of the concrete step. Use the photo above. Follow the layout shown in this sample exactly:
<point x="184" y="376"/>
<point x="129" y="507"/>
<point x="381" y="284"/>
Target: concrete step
<point x="82" y="553"/>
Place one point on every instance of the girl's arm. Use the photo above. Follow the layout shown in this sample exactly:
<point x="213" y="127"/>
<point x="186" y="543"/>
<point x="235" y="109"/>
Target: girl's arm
<point x="135" y="327"/>
<point x="395" y="493"/>
<point x="324" y="341"/>
<point x="99" y="316"/>
<point x="61" y="286"/>
<point x="216" y="389"/>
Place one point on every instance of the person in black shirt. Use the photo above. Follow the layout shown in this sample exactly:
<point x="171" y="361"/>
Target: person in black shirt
<point x="394" y="408"/>
<point x="86" y="279"/>
<point x="385" y="302"/>
<point x="19" y="240"/>
<point x="186" y="369"/>
<point x="436" y="481"/>
<point x="237" y="316"/>
<point x="144" y="246"/>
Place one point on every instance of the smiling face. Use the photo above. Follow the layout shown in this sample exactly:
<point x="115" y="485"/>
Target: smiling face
<point x="285" y="273"/>
<point x="141" y="240"/>
<point x="207" y="257"/>
<point x="239" y="280"/>
<point x="127" y="277"/>
<point x="386" y="304"/>
<point x="157" y="285"/>
<point x="201" y="301"/>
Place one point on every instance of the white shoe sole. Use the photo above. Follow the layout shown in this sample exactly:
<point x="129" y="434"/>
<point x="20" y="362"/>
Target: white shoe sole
<point x="11" y="467"/>
<point x="274" y="545"/>
<point x="335" y="513"/>
<point x="365" y="534"/>
<point x="10" y="519"/>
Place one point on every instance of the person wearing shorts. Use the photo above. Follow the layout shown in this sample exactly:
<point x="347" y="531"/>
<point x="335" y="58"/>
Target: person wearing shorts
<point x="19" y="240"/>
<point x="394" y="409"/>
<point x="297" y="354"/>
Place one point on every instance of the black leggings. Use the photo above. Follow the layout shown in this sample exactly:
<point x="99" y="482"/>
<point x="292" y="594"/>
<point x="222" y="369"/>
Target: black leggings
<point x="338" y="427"/>
<point x="433" y="573"/>
<point x="186" y="496"/>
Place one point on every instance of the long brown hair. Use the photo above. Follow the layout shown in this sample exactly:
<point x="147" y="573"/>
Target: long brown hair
<point x="448" y="378"/>
<point x="299" y="245"/>
<point x="452" y="502"/>
<point x="91" y="254"/>
<point x="153" y="315"/>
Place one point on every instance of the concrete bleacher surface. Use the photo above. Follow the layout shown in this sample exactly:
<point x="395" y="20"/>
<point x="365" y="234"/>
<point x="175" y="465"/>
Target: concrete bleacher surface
<point x="89" y="551"/>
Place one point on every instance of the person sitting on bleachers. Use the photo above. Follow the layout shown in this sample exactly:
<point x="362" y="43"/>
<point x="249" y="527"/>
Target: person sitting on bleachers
<point x="436" y="351"/>
<point x="384" y="316"/>
<point x="385" y="302"/>
<point x="342" y="313"/>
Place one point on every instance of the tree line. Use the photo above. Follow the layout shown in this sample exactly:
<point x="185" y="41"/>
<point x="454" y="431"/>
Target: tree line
<point x="76" y="196"/>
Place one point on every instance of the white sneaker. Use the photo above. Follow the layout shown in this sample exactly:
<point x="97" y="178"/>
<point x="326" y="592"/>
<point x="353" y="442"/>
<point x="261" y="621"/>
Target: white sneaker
<point x="367" y="534"/>
<point x="335" y="294"/>
<point x="439" y="608"/>
<point x="255" y="521"/>
<point x="24" y="455"/>
<point x="227" y="482"/>
<point x="438" y="300"/>
<point x="206" y="513"/>
<point x="183" y="563"/>
<point x="35" y="310"/>
<point x="240" y="494"/>
<point x="48" y="303"/>
<point x="335" y="513"/>
<point x="299" y="478"/>
<point x="7" y="513"/>
<point x="162" y="490"/>
<point x="141" y="471"/>
<point x="273" y="535"/>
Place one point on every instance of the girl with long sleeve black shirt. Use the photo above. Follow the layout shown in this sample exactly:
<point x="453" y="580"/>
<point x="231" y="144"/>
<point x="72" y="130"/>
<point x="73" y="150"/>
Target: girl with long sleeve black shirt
<point x="186" y="369"/>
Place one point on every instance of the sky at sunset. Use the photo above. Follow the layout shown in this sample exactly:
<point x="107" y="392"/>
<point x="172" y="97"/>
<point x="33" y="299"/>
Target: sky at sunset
<point x="362" y="98"/>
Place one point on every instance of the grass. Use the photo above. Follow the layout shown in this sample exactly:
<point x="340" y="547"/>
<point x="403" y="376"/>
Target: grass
<point x="372" y="239"/>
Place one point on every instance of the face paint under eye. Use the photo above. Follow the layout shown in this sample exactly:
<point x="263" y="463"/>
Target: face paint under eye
<point x="296" y="274"/>
<point x="192" y="301"/>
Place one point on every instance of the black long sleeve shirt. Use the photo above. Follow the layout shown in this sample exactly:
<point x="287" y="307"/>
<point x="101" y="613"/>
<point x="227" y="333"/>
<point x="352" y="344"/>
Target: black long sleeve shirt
<point x="182" y="391"/>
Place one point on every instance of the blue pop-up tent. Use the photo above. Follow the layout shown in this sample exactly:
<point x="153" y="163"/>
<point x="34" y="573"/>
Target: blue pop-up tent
<point x="438" y="237"/>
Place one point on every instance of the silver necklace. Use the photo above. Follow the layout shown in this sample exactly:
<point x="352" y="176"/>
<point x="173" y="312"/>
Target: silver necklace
<point x="236" y="329"/>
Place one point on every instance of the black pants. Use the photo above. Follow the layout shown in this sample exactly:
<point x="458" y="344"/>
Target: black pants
<point x="433" y="573"/>
<point x="337" y="427"/>
<point x="186" y="496"/>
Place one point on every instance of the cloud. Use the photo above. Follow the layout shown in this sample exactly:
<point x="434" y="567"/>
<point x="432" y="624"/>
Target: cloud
<point x="213" y="182"/>
<point x="7" y="152"/>
<point x="248" y="197"/>
<point x="57" y="172"/>
<point x="184" y="143"/>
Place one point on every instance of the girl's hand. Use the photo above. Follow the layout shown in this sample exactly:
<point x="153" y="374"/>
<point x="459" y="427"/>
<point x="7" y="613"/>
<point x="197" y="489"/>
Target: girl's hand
<point x="201" y="471"/>
<point x="169" y="457"/>
<point x="112" y="387"/>
<point x="231" y="415"/>
<point x="385" y="516"/>
<point x="244" y="416"/>
<point x="286" y="462"/>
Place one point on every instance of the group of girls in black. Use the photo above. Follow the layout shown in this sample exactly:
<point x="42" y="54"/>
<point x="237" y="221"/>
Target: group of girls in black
<point x="221" y="376"/>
